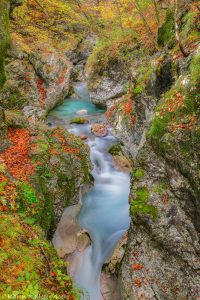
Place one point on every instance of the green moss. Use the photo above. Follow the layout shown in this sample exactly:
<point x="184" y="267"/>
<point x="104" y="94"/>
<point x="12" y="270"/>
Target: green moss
<point x="139" y="173"/>
<point x="4" y="37"/>
<point x="115" y="150"/>
<point x="142" y="193"/>
<point x="145" y="72"/>
<point x="161" y="187"/>
<point x="108" y="51"/>
<point x="43" y="146"/>
<point x="159" y="126"/>
<point x="166" y="34"/>
<point x="190" y="31"/>
<point x="140" y="205"/>
<point x="195" y="68"/>
<point x="79" y="121"/>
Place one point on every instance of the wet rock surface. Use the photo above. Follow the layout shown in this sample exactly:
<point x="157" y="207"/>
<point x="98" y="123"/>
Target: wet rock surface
<point x="109" y="287"/>
<point x="121" y="163"/>
<point x="69" y="236"/>
<point x="99" y="130"/>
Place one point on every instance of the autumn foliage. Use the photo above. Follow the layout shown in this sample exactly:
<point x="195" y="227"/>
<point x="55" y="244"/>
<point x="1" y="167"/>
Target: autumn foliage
<point x="16" y="156"/>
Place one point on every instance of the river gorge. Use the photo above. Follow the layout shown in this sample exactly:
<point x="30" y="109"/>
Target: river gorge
<point x="104" y="210"/>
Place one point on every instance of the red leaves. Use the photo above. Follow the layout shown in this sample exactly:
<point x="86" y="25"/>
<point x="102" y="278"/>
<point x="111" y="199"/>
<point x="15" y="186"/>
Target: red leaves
<point x="191" y="121"/>
<point x="69" y="149"/>
<point x="42" y="91"/>
<point x="1" y="241"/>
<point x="16" y="156"/>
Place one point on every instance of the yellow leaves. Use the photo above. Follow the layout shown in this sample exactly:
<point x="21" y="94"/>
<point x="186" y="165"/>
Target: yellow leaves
<point x="106" y="12"/>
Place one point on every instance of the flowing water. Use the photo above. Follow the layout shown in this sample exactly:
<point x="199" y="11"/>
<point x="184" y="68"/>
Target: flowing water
<point x="105" y="209"/>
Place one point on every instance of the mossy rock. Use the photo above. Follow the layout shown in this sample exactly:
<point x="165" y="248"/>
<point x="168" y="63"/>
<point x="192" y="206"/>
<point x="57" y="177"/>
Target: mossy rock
<point x="115" y="150"/>
<point x="195" y="68"/>
<point x="16" y="119"/>
<point x="4" y="37"/>
<point x="140" y="204"/>
<point x="166" y="33"/>
<point x="139" y="173"/>
<point x="79" y="121"/>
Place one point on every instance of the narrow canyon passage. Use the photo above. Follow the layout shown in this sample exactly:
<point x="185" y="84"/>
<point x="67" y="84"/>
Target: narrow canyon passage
<point x="105" y="209"/>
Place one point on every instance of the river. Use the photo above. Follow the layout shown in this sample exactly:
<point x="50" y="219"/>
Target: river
<point x="105" y="209"/>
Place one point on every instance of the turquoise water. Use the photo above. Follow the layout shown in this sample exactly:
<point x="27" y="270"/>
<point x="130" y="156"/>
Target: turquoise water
<point x="105" y="209"/>
<point x="71" y="106"/>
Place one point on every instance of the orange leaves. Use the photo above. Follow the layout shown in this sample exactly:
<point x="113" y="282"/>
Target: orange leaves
<point x="110" y="111"/>
<point x="67" y="148"/>
<point x="189" y="123"/>
<point x="16" y="156"/>
<point x="173" y="104"/>
<point x="137" y="282"/>
<point x="127" y="107"/>
<point x="72" y="297"/>
<point x="133" y="120"/>
<point x="137" y="267"/>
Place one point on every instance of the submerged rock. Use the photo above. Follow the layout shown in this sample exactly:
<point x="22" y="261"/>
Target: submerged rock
<point x="82" y="112"/>
<point x="78" y="120"/>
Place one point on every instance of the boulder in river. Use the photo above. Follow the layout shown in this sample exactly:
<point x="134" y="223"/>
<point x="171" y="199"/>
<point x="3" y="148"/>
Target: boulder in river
<point x="121" y="163"/>
<point x="82" y="112"/>
<point x="83" y="137"/>
<point x="69" y="236"/>
<point x="99" y="130"/>
<point x="109" y="287"/>
<point x="78" y="120"/>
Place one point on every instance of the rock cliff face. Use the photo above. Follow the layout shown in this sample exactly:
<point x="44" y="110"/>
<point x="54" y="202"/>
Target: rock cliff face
<point x="47" y="162"/>
<point x="34" y="75"/>
<point x="162" y="255"/>
<point x="42" y="169"/>
<point x="37" y="80"/>
<point x="109" y="86"/>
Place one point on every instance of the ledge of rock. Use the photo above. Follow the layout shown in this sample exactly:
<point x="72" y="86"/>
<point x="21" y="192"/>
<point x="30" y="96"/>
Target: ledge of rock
<point x="69" y="236"/>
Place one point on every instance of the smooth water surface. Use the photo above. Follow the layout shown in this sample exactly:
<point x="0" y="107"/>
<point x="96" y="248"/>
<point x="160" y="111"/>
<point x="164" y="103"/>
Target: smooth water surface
<point x="105" y="209"/>
<point x="69" y="108"/>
